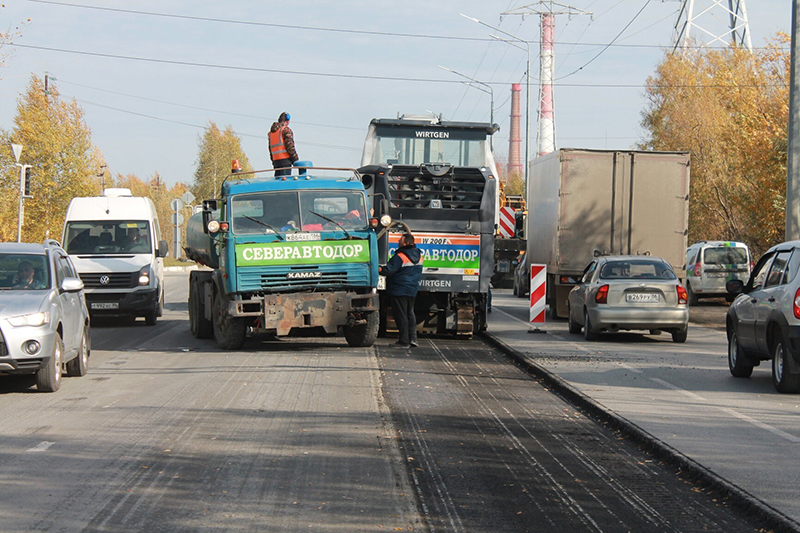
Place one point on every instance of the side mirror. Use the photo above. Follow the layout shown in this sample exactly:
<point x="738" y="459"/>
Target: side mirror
<point x="735" y="286"/>
<point x="163" y="249"/>
<point x="71" y="285"/>
<point x="208" y="207"/>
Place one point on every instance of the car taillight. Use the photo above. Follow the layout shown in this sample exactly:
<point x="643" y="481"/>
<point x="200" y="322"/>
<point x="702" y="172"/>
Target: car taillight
<point x="602" y="295"/>
<point x="683" y="298"/>
<point x="751" y="266"/>
<point x="796" y="304"/>
<point x="698" y="270"/>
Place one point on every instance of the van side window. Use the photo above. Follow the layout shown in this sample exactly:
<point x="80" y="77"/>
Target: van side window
<point x="775" y="276"/>
<point x="690" y="258"/>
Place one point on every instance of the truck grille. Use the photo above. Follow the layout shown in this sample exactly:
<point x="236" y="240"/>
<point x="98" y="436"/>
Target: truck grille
<point x="415" y="187"/>
<point x="127" y="280"/>
<point x="255" y="279"/>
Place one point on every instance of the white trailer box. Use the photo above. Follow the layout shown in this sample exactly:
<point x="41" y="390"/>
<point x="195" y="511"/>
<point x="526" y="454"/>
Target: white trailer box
<point x="585" y="203"/>
<point x="115" y="242"/>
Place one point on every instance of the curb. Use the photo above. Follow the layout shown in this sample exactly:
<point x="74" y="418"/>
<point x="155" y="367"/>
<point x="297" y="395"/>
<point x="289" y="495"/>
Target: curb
<point x="746" y="502"/>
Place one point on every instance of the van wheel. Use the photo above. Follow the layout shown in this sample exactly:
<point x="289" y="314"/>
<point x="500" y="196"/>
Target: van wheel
<point x="48" y="379"/>
<point x="161" y="304"/>
<point x="781" y="378"/>
<point x="691" y="296"/>
<point x="152" y="317"/>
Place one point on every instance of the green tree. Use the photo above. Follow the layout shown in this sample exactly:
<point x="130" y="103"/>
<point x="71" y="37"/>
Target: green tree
<point x="729" y="109"/>
<point x="57" y="144"/>
<point x="217" y="149"/>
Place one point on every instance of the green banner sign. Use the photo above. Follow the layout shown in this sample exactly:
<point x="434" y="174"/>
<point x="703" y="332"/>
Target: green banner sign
<point x="302" y="253"/>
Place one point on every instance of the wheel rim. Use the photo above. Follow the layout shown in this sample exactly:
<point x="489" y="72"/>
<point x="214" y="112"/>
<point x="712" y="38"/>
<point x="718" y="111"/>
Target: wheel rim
<point x="777" y="362"/>
<point x="733" y="352"/>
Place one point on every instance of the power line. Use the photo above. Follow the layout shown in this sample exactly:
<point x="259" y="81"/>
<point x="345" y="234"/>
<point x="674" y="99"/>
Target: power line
<point x="322" y="29"/>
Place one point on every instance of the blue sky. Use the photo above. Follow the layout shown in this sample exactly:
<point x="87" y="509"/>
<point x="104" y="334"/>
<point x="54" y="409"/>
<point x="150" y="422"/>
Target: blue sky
<point x="147" y="116"/>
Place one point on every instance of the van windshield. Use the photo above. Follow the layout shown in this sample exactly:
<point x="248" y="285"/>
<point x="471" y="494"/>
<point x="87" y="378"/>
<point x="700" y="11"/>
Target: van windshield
<point x="108" y="237"/>
<point x="725" y="255"/>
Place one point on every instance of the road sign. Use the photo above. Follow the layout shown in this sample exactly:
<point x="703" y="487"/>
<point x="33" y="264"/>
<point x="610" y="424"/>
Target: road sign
<point x="187" y="197"/>
<point x="176" y="204"/>
<point x="177" y="218"/>
<point x="507" y="222"/>
<point x="17" y="151"/>
<point x="538" y="291"/>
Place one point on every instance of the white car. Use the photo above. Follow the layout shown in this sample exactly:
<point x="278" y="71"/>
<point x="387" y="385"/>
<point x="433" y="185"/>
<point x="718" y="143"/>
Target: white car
<point x="711" y="264"/>
<point x="44" y="320"/>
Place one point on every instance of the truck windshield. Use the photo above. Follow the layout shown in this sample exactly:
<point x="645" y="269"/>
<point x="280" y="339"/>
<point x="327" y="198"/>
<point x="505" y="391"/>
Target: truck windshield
<point x="411" y="151"/>
<point x="103" y="237"/>
<point x="291" y="211"/>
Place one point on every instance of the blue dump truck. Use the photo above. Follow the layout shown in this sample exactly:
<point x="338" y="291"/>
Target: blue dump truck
<point x="438" y="178"/>
<point x="285" y="254"/>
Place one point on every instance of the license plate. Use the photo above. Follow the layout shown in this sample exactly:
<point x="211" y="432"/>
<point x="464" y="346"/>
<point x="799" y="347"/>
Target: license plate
<point x="381" y="283"/>
<point x="105" y="305"/>
<point x="648" y="297"/>
<point x="717" y="274"/>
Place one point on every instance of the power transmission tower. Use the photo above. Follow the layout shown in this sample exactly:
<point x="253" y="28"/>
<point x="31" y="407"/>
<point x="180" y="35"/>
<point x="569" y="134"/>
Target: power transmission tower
<point x="703" y="20"/>
<point x="547" y="10"/>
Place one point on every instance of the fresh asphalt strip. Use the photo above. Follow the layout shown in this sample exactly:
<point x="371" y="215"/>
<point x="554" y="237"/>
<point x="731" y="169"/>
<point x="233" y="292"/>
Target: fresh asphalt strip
<point x="696" y="472"/>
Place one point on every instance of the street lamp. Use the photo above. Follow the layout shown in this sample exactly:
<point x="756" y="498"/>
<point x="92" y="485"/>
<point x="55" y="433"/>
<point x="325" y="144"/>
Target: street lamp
<point x="527" y="50"/>
<point x="17" y="148"/>
<point x="490" y="92"/>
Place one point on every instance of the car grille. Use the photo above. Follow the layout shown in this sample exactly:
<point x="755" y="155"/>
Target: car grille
<point x="126" y="280"/>
<point x="255" y="279"/>
<point x="415" y="187"/>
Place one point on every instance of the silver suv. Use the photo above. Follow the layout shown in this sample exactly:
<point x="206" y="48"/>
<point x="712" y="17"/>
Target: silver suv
<point x="44" y="321"/>
<point x="763" y="322"/>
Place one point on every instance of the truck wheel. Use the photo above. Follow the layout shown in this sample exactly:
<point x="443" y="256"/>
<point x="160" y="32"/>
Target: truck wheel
<point x="229" y="332"/>
<point x="783" y="380"/>
<point x="363" y="335"/>
<point x="200" y="326"/>
<point x="48" y="379"/>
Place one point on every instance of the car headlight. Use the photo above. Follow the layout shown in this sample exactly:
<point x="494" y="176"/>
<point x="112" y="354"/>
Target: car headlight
<point x="32" y="319"/>
<point x="144" y="275"/>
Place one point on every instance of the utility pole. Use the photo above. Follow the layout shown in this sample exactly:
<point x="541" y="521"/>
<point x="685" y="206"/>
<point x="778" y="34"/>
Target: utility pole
<point x="703" y="17"/>
<point x="546" y="133"/>
<point x="793" y="166"/>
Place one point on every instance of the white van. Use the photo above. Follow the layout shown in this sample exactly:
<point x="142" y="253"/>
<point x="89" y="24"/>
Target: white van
<point x="115" y="242"/>
<point x="711" y="264"/>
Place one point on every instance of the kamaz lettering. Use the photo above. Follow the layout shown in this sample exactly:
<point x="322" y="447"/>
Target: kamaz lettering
<point x="433" y="134"/>
<point x="303" y="275"/>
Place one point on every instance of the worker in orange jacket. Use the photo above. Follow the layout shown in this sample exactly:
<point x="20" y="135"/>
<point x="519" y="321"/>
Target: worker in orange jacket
<point x="281" y="145"/>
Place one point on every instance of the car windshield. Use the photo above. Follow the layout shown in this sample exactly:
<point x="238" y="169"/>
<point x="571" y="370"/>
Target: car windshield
<point x="293" y="211"/>
<point x="108" y="237"/>
<point x="725" y="255"/>
<point x="22" y="272"/>
<point x="636" y="269"/>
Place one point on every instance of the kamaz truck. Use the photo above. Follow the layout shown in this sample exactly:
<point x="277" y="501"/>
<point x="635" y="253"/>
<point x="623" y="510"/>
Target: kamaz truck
<point x="439" y="179"/>
<point x="285" y="255"/>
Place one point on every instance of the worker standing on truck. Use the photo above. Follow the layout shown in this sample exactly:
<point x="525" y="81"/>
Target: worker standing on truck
<point x="402" y="281"/>
<point x="281" y="145"/>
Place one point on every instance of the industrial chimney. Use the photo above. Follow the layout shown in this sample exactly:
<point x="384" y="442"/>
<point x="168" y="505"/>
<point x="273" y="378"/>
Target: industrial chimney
<point x="514" y="138"/>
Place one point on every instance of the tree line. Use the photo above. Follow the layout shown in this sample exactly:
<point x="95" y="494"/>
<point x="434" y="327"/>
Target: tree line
<point x="57" y="144"/>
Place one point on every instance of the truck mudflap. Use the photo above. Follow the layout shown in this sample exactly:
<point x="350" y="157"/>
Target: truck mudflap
<point x="282" y="312"/>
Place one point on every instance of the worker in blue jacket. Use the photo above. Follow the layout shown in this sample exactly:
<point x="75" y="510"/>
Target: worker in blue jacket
<point x="402" y="281"/>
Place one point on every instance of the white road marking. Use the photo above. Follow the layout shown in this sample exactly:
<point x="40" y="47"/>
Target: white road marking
<point x="42" y="446"/>
<point x="750" y="420"/>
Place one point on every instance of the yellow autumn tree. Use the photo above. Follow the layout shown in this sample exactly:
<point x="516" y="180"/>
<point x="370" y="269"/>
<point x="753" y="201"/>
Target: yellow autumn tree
<point x="57" y="144"/>
<point x="729" y="109"/>
<point x="217" y="149"/>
